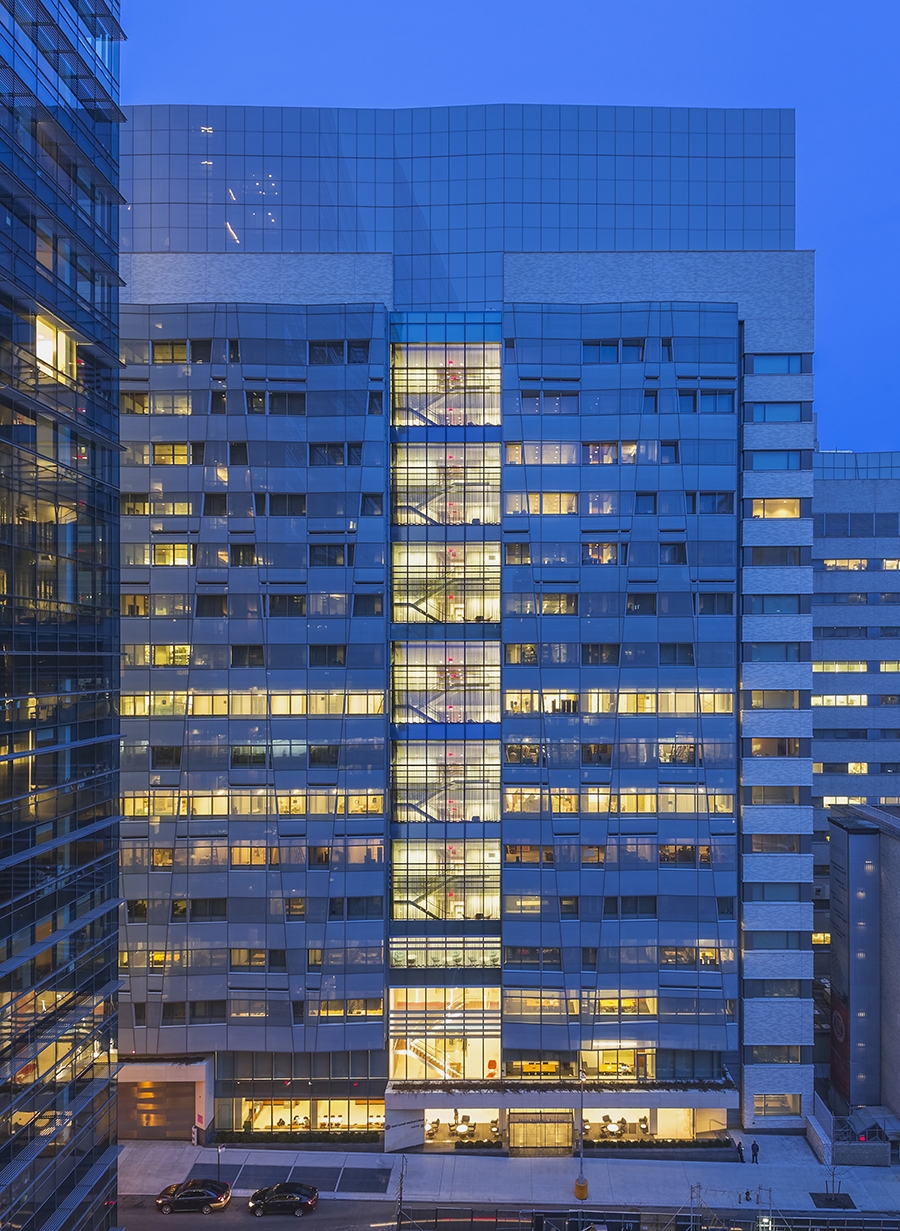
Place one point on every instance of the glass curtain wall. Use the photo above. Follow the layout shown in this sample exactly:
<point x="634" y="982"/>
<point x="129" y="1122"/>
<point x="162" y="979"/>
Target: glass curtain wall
<point x="445" y="777"/>
<point x="58" y="579"/>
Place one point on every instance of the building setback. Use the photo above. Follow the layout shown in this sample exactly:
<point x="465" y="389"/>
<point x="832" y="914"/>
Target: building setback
<point x="466" y="558"/>
<point x="58" y="580"/>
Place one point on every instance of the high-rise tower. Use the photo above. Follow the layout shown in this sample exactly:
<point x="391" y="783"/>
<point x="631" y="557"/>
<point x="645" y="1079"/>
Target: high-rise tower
<point x="467" y="574"/>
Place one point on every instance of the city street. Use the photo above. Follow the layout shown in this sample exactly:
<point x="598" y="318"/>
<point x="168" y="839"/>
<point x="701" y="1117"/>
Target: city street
<point x="139" y="1213"/>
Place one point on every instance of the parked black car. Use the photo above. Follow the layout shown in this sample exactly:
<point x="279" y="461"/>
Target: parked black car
<point x="296" y="1199"/>
<point x="202" y="1195"/>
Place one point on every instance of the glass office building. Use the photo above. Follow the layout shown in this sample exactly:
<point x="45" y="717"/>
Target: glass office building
<point x="856" y="689"/>
<point x="466" y="558"/>
<point x="58" y="578"/>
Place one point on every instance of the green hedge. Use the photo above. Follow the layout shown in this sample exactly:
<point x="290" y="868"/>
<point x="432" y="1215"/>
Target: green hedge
<point x="493" y="1144"/>
<point x="648" y="1143"/>
<point x="296" y="1138"/>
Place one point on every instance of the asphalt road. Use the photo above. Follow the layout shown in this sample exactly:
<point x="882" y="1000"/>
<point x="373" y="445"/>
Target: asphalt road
<point x="140" y="1214"/>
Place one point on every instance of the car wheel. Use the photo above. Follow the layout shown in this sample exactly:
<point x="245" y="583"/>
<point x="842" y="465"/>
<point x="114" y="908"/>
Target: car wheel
<point x="206" y="1209"/>
<point x="258" y="1212"/>
<point x="165" y="1209"/>
<point x="299" y="1211"/>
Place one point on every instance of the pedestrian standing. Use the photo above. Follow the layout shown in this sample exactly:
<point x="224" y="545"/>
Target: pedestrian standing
<point x="754" y="1152"/>
<point x="740" y="1149"/>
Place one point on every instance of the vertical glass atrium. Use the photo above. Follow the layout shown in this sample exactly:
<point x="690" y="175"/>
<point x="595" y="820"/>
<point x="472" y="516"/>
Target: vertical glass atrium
<point x="58" y="618"/>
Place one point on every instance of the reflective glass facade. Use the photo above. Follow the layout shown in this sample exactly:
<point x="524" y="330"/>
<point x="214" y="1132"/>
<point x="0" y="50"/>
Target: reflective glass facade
<point x="463" y="619"/>
<point x="58" y="579"/>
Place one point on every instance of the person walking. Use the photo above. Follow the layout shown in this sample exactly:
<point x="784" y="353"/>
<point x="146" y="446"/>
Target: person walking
<point x="740" y="1150"/>
<point x="754" y="1152"/>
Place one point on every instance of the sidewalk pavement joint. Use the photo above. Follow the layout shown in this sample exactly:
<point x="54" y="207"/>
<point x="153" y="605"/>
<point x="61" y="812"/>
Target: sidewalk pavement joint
<point x="787" y="1166"/>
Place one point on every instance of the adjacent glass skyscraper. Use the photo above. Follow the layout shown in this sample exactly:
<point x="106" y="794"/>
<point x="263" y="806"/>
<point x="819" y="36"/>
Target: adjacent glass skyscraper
<point x="466" y="571"/>
<point x="58" y="582"/>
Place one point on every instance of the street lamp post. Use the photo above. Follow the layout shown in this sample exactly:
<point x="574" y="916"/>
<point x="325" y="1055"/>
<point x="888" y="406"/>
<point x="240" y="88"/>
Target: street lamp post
<point x="581" y="1184"/>
<point x="219" y="1148"/>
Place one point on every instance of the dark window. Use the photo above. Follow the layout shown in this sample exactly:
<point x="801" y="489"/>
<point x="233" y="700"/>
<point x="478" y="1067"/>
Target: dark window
<point x="234" y="350"/>
<point x="249" y="756"/>
<point x="676" y="654"/>
<point x="201" y="350"/>
<point x="369" y="907"/>
<point x="772" y="459"/>
<point x="517" y="553"/>
<point x="604" y="351"/>
<point x="237" y="453"/>
<point x="218" y="402"/>
<point x="715" y="502"/>
<point x="372" y="504"/>
<point x="214" y="504"/>
<point x="368" y="604"/>
<point x="599" y="654"/>
<point x="376" y="402"/>
<point x="645" y="502"/>
<point x="672" y="553"/>
<point x="632" y="350"/>
<point x="668" y="450"/>
<point x="568" y="908"/>
<point x="643" y="907"/>
<point x="719" y="402"/>
<point x="596" y="754"/>
<point x="775" y="412"/>
<point x="772" y="604"/>
<point x="849" y="632"/>
<point x="197" y="450"/>
<point x="775" y="557"/>
<point x="326" y="454"/>
<point x="247" y="656"/>
<point x="243" y="555"/>
<point x="354" y="453"/>
<point x="208" y="910"/>
<point x="358" y="350"/>
<point x="173" y="1013"/>
<point x="324" y="756"/>
<point x="640" y="604"/>
<point x="327" y="655"/>
<point x="136" y="910"/>
<point x="287" y="504"/>
<point x="589" y="958"/>
<point x="715" y="604"/>
<point x="282" y="605"/>
<point x="775" y="365"/>
<point x="326" y="352"/>
<point x="165" y="756"/>
<point x="327" y="555"/>
<point x="288" y="403"/>
<point x="207" y="1012"/>
<point x="773" y="652"/>
<point x="211" y="606"/>
<point x="762" y="989"/>
<point x="256" y="402"/>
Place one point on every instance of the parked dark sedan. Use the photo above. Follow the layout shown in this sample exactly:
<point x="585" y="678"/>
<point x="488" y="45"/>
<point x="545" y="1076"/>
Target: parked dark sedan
<point x="296" y="1199"/>
<point x="202" y="1195"/>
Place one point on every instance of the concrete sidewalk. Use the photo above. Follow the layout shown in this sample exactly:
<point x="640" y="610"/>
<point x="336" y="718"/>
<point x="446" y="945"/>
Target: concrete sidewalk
<point x="787" y="1166"/>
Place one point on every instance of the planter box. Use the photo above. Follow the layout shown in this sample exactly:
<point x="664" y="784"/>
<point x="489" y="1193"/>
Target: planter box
<point x="675" y="1154"/>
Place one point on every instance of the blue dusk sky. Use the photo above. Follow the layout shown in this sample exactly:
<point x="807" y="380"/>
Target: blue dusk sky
<point x="835" y="63"/>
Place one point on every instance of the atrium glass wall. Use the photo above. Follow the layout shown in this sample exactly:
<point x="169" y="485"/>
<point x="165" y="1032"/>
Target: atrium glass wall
<point x="58" y="580"/>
